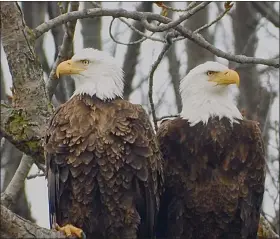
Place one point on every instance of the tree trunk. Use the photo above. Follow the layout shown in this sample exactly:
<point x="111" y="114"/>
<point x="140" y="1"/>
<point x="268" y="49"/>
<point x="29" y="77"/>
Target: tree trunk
<point x="91" y="30"/>
<point x="133" y="51"/>
<point x="253" y="98"/>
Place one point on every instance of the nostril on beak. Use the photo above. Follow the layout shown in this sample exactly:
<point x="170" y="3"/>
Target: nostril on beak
<point x="226" y="73"/>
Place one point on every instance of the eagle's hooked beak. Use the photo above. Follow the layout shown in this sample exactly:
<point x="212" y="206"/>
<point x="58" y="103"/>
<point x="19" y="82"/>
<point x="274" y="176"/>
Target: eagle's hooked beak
<point x="225" y="78"/>
<point x="68" y="68"/>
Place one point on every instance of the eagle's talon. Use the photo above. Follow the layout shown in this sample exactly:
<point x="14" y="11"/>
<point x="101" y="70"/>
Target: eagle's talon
<point x="70" y="230"/>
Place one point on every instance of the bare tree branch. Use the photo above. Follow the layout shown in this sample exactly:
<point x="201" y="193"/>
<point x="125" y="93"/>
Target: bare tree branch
<point x="218" y="18"/>
<point x="151" y="82"/>
<point x="267" y="11"/>
<point x="24" y="124"/>
<point x="35" y="175"/>
<point x="9" y="196"/>
<point x="143" y="17"/>
<point x="14" y="226"/>
<point x="38" y="10"/>
<point x="145" y="37"/>
<point x="65" y="52"/>
<point x="173" y="24"/>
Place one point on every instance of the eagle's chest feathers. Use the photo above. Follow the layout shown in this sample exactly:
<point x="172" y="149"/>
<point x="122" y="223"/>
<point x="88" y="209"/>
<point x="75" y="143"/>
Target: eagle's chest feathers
<point x="211" y="150"/>
<point x="94" y="114"/>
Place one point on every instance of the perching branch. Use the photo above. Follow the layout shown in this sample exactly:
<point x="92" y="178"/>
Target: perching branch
<point x="9" y="196"/>
<point x="151" y="82"/>
<point x="65" y="52"/>
<point x="14" y="226"/>
<point x="144" y="17"/>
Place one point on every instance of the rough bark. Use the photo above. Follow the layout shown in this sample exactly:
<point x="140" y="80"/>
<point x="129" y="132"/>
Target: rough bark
<point x="195" y="53"/>
<point x="13" y="226"/>
<point x="91" y="30"/>
<point x="133" y="51"/>
<point x="25" y="122"/>
<point x="38" y="10"/>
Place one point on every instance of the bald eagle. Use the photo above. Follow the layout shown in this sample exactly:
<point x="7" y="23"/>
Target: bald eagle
<point x="214" y="162"/>
<point x="104" y="167"/>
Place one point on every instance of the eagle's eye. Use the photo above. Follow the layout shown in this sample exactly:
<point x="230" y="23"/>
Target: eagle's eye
<point x="209" y="73"/>
<point x="85" y="62"/>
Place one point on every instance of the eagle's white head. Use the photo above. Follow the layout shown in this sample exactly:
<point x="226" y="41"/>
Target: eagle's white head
<point x="205" y="93"/>
<point x="95" y="73"/>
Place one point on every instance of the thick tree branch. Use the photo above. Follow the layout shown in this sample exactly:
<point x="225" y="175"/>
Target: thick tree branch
<point x="9" y="196"/>
<point x="20" y="132"/>
<point x="14" y="226"/>
<point x="25" y="122"/>
<point x="144" y="17"/>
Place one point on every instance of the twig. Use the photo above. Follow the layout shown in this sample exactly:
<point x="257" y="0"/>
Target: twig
<point x="65" y="52"/>
<point x="227" y="9"/>
<point x="139" y="16"/>
<point x="151" y="79"/>
<point x="141" y="33"/>
<point x="145" y="37"/>
<point x="189" y="7"/>
<point x="175" y="23"/>
<point x="9" y="196"/>
<point x="35" y="175"/>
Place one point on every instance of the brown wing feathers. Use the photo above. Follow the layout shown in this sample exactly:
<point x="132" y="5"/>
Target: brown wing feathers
<point x="103" y="161"/>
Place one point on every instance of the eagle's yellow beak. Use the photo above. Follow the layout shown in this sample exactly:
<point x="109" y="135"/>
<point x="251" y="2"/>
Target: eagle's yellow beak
<point x="69" y="68"/>
<point x="225" y="78"/>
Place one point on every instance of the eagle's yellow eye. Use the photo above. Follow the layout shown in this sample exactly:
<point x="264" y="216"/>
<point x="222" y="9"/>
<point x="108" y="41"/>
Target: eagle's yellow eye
<point x="209" y="73"/>
<point x="85" y="62"/>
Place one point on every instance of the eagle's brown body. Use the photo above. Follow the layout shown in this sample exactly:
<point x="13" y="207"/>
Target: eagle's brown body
<point x="214" y="177"/>
<point x="104" y="168"/>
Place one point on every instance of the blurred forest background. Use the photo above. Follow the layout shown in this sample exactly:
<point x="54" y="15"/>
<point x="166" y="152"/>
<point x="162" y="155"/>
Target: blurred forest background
<point x="249" y="28"/>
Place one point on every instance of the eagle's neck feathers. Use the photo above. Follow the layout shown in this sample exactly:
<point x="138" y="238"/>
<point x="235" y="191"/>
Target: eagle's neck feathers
<point x="201" y="107"/>
<point x="106" y="83"/>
